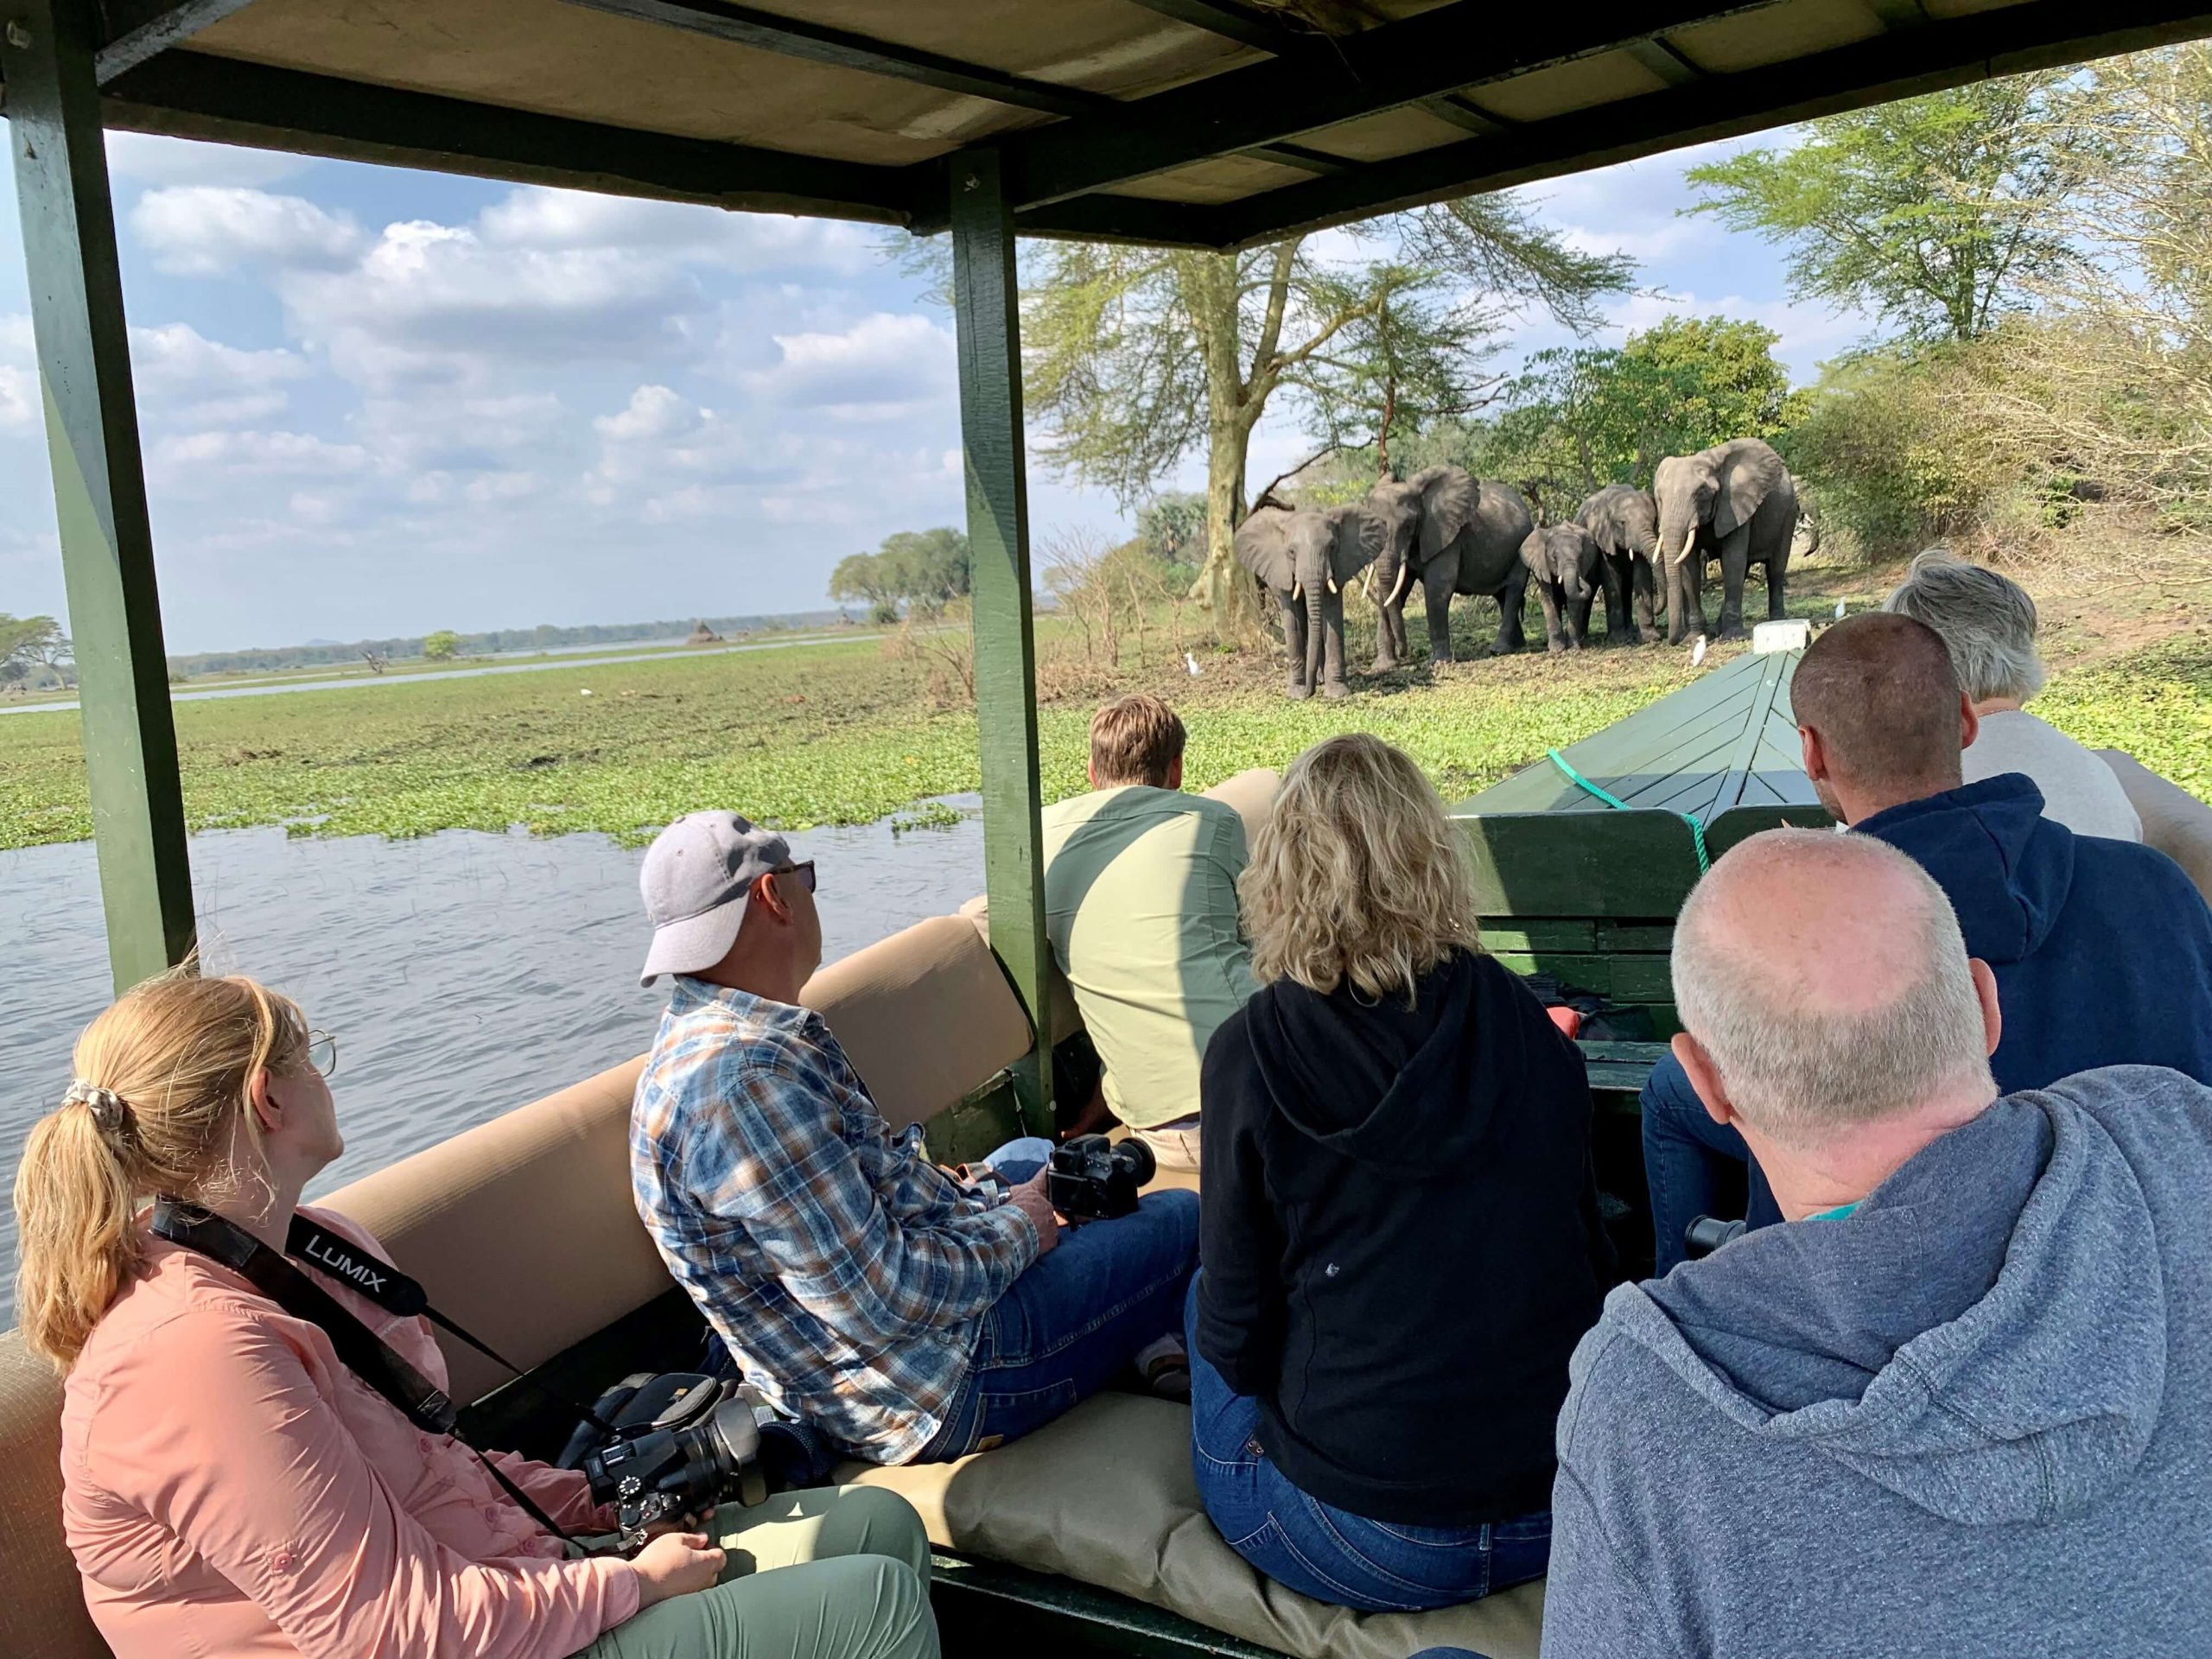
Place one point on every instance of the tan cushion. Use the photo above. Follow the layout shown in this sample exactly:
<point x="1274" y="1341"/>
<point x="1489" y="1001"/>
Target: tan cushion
<point x="522" y="1230"/>
<point x="2174" y="821"/>
<point x="1253" y="794"/>
<point x="1105" y="1496"/>
<point x="925" y="1015"/>
<point x="42" y="1604"/>
<point x="1067" y="1018"/>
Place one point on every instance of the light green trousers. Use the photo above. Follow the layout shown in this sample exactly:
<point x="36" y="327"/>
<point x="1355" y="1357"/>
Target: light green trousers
<point x="835" y="1573"/>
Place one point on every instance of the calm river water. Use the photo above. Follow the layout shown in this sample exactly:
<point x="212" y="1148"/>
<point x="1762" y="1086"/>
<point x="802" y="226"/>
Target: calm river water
<point x="463" y="974"/>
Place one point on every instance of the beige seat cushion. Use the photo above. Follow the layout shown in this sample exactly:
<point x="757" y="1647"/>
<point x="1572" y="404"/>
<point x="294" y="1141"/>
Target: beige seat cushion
<point x="42" y="1604"/>
<point x="1105" y="1496"/>
<point x="2174" y="821"/>
<point x="1253" y="794"/>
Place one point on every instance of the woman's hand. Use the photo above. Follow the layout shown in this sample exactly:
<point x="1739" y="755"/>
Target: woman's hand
<point x="676" y="1564"/>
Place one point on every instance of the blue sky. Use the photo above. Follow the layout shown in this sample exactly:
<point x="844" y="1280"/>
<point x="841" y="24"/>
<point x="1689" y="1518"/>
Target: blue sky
<point x="378" y="402"/>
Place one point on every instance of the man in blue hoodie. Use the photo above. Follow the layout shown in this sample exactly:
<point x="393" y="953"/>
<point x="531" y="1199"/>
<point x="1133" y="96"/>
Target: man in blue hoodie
<point x="2102" y="949"/>
<point x="1963" y="1406"/>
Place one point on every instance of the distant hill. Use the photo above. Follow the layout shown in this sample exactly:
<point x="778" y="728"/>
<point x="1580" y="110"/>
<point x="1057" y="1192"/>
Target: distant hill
<point x="324" y="653"/>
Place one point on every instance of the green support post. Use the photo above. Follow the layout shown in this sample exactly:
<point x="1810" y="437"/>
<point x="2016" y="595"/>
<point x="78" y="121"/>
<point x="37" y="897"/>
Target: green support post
<point x="47" y="50"/>
<point x="986" y="301"/>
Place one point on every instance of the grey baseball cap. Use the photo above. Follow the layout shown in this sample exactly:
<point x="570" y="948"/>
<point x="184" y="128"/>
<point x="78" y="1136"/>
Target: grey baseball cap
<point x="695" y="878"/>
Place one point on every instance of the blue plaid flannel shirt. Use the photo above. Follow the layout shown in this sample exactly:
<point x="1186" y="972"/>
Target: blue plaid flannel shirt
<point x="848" y="1273"/>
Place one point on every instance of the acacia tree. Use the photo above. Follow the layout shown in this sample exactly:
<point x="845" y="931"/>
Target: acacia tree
<point x="1138" y="357"/>
<point x="1935" y="214"/>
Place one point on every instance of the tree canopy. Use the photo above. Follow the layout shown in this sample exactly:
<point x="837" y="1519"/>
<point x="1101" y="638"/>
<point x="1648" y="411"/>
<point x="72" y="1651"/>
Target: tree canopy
<point x="442" y="645"/>
<point x="1934" y="213"/>
<point x="923" y="571"/>
<point x="29" y="643"/>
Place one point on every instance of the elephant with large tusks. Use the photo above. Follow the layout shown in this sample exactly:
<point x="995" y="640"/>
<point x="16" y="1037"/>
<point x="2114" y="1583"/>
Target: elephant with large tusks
<point x="1567" y="569"/>
<point x="1307" y="557"/>
<point x="1735" y="502"/>
<point x="1458" y="535"/>
<point x="1624" y="522"/>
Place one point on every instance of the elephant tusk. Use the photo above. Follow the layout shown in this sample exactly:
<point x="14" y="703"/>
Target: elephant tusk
<point x="1367" y="584"/>
<point x="1332" y="580"/>
<point x="1296" y="593"/>
<point x="1405" y="581"/>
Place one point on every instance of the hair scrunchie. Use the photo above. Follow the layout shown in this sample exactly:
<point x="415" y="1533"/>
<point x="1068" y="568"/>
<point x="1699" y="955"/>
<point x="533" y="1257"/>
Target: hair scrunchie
<point x="110" y="1112"/>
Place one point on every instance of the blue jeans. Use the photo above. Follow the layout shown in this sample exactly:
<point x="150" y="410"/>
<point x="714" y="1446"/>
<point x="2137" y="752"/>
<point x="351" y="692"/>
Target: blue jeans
<point x="1682" y="1152"/>
<point x="1323" y="1552"/>
<point x="1074" y="1321"/>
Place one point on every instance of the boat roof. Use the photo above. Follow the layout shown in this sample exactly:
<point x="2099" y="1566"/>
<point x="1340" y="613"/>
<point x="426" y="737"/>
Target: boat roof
<point x="1196" y="122"/>
<point x="1728" y="740"/>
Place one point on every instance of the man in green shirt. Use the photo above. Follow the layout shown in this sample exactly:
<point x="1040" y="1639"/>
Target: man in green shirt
<point x="1140" y="901"/>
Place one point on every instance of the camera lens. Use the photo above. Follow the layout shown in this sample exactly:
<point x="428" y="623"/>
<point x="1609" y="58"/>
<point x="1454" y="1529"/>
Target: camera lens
<point x="1136" y="1157"/>
<point x="1707" y="1234"/>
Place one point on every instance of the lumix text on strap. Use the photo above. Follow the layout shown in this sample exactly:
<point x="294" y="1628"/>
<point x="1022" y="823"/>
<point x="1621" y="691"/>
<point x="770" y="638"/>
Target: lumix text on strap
<point x="359" y="1349"/>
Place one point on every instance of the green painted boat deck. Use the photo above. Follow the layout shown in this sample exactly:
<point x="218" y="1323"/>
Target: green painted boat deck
<point x="1729" y="740"/>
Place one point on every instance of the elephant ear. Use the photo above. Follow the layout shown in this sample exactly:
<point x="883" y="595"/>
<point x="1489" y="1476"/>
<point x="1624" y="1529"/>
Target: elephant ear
<point x="1751" y="475"/>
<point x="1360" y="537"/>
<point x="1263" y="548"/>
<point x="1447" y="505"/>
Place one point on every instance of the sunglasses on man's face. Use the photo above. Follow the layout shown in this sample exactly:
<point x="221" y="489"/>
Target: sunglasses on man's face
<point x="804" y="871"/>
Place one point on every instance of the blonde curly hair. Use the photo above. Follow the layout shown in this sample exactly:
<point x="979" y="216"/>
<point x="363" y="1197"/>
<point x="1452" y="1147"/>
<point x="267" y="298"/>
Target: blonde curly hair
<point x="1358" y="877"/>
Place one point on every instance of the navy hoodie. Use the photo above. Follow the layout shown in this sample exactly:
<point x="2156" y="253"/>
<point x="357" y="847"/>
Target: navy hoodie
<point x="1401" y="1239"/>
<point x="2102" y="949"/>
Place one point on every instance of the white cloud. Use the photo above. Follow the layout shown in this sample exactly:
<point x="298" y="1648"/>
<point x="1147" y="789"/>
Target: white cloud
<point x="536" y="217"/>
<point x="18" y="399"/>
<point x="882" y="368"/>
<point x="150" y="159"/>
<point x="210" y="463"/>
<point x="185" y="379"/>
<point x="205" y="230"/>
<point x="652" y="412"/>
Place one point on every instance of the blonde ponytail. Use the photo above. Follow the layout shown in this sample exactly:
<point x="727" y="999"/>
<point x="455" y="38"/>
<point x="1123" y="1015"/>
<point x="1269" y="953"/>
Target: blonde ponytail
<point x="161" y="1082"/>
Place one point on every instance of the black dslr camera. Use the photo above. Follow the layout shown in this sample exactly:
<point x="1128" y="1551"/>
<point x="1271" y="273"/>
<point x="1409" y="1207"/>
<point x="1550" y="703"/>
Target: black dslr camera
<point x="1707" y="1234"/>
<point x="1096" y="1179"/>
<point x="689" y="1441"/>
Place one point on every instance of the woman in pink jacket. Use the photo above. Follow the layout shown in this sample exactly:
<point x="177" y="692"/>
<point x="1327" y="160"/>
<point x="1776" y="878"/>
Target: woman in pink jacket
<point x="231" y="1488"/>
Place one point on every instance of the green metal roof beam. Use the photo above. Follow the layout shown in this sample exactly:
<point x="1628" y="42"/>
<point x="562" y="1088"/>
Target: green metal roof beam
<point x="136" y="29"/>
<point x="191" y="95"/>
<point x="1465" y="44"/>
<point x="1976" y="47"/>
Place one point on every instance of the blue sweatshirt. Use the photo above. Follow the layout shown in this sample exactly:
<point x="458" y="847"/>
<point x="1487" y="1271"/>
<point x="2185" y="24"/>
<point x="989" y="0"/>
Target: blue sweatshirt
<point x="1971" y="1420"/>
<point x="2102" y="949"/>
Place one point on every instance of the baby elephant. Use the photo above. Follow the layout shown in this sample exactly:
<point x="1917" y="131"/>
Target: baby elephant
<point x="1565" y="567"/>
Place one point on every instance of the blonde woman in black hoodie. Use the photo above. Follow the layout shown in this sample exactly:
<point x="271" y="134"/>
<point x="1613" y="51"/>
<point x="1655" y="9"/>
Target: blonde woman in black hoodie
<point x="1399" y="1235"/>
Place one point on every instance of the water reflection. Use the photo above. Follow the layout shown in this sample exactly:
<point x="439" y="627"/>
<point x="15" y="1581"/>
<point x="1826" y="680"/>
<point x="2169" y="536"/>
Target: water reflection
<point x="463" y="973"/>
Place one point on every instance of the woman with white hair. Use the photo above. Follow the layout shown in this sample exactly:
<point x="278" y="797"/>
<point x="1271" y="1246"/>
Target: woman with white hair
<point x="1400" y="1238"/>
<point x="1988" y="623"/>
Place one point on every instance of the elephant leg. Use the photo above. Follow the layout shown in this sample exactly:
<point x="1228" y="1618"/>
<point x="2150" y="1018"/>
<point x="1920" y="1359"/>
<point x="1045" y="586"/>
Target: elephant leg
<point x="1613" y="571"/>
<point x="1395" y="619"/>
<point x="1640" y="585"/>
<point x="1293" y="640"/>
<point x="1777" y="578"/>
<point x="1387" y="654"/>
<point x="1511" y="599"/>
<point x="1436" y="596"/>
<point x="1548" y="596"/>
<point x="1735" y="565"/>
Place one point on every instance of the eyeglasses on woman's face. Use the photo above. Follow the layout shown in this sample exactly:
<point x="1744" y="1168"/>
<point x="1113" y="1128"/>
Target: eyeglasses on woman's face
<point x="322" y="1052"/>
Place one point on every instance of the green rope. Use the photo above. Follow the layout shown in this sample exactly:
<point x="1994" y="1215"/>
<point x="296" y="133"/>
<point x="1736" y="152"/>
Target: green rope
<point x="1697" y="829"/>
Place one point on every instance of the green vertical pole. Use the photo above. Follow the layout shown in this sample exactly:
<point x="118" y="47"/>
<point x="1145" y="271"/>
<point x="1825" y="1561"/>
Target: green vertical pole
<point x="987" y="314"/>
<point x="47" y="48"/>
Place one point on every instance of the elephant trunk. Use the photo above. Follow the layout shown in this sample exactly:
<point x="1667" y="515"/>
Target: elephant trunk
<point x="1675" y="540"/>
<point x="1316" y="631"/>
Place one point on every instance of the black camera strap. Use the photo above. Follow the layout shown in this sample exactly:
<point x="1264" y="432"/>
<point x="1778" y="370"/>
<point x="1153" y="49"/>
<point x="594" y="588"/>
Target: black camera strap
<point x="359" y="1349"/>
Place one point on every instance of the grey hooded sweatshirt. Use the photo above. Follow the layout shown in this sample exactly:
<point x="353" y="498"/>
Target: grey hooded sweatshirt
<point x="1973" y="1419"/>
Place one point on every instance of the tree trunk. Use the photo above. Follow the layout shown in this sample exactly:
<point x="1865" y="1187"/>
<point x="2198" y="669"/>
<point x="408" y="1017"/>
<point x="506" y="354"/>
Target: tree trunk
<point x="1225" y="587"/>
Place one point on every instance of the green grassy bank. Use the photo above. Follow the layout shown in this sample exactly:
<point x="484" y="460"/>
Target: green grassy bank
<point x="846" y="733"/>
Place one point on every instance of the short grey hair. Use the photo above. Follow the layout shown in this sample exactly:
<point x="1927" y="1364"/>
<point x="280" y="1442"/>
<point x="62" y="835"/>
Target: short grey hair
<point x="1987" y="622"/>
<point x="1802" y="1072"/>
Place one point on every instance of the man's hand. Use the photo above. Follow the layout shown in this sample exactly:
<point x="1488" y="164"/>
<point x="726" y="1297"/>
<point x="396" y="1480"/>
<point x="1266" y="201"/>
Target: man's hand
<point x="676" y="1564"/>
<point x="1030" y="1199"/>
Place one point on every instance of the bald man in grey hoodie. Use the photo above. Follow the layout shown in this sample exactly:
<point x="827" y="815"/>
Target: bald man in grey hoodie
<point x="1962" y="1406"/>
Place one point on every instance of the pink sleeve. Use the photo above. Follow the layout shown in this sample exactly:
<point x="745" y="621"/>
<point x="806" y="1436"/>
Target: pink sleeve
<point x="216" y="1427"/>
<point x="564" y="1494"/>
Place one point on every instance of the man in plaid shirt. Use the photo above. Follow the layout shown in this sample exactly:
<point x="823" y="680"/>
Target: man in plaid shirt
<point x="909" y="1317"/>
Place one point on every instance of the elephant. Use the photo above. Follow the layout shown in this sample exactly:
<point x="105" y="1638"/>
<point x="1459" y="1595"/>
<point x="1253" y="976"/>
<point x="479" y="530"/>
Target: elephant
<point x="1566" y="565"/>
<point x="1459" y="534"/>
<point x="1308" y="557"/>
<point x="1625" y="522"/>
<point x="1735" y="502"/>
